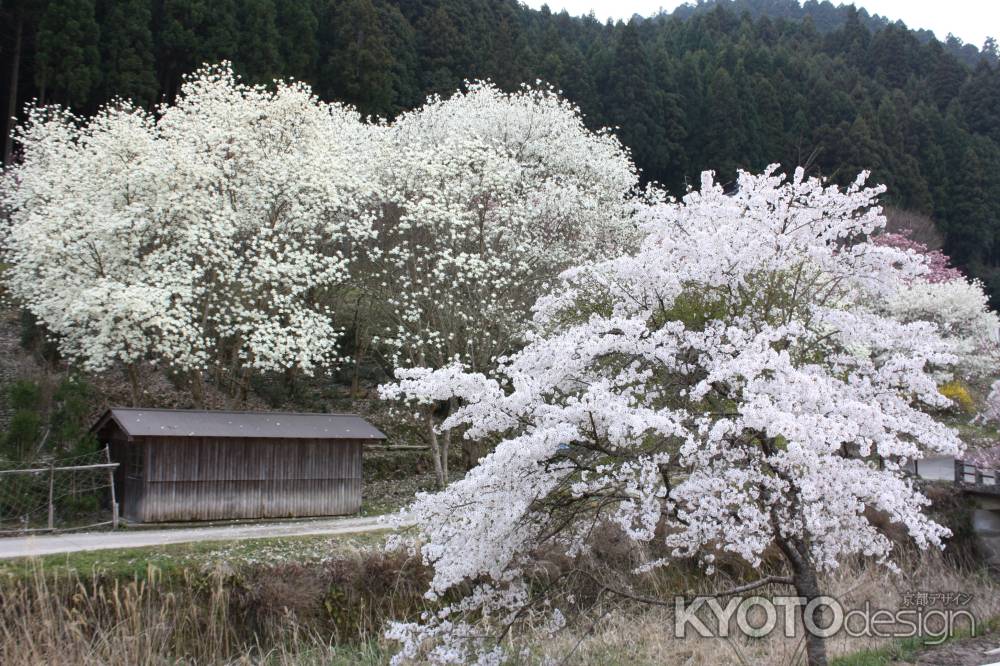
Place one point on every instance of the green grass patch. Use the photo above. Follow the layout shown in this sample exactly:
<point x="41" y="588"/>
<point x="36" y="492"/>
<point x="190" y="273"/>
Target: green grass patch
<point x="905" y="650"/>
<point x="908" y="650"/>
<point x="174" y="559"/>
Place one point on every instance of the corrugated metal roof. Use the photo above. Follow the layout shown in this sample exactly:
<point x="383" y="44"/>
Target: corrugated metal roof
<point x="137" y="422"/>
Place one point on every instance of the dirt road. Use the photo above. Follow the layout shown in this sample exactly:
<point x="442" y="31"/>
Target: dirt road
<point x="48" y="544"/>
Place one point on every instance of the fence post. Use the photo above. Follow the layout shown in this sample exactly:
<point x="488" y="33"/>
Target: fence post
<point x="114" y="498"/>
<point x="52" y="482"/>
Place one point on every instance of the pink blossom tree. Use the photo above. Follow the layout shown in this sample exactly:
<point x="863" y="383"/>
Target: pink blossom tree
<point x="938" y="263"/>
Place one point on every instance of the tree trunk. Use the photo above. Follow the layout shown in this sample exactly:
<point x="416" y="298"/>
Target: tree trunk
<point x="290" y="379"/>
<point x="355" y="380"/>
<point x="133" y="380"/>
<point x="439" y="471"/>
<point x="359" y="352"/>
<point x="444" y="454"/>
<point x="197" y="384"/>
<point x="807" y="586"/>
<point x="15" y="66"/>
<point x="242" y="391"/>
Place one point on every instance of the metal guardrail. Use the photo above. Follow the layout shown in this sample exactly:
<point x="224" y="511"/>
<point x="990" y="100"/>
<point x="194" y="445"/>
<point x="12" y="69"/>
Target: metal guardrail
<point x="977" y="479"/>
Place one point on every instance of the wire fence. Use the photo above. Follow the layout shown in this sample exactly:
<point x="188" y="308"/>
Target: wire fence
<point x="62" y="494"/>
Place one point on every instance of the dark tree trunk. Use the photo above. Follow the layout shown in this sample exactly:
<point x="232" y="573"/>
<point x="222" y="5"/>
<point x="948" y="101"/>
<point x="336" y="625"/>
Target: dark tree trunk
<point x="806" y="584"/>
<point x="439" y="473"/>
<point x="134" y="386"/>
<point x="15" y="67"/>
<point x="197" y="384"/>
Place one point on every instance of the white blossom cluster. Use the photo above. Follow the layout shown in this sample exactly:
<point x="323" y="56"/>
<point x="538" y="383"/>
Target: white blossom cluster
<point x="205" y="228"/>
<point x="960" y="309"/>
<point x="755" y="375"/>
<point x="487" y="197"/>
<point x="219" y="230"/>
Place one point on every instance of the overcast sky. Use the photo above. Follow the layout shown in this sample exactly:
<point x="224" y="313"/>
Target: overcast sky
<point x="971" y="20"/>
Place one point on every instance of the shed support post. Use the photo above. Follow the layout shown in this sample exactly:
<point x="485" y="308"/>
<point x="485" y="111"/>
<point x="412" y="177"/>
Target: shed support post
<point x="52" y="483"/>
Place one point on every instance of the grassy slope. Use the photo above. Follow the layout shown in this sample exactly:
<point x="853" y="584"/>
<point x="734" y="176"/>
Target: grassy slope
<point x="173" y="559"/>
<point x="913" y="650"/>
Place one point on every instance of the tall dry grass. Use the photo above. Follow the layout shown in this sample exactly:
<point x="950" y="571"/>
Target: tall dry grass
<point x="625" y="633"/>
<point x="325" y="613"/>
<point x="334" y="612"/>
<point x="63" y="619"/>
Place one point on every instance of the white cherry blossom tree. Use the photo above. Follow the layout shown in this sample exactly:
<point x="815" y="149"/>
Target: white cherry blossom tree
<point x="739" y="384"/>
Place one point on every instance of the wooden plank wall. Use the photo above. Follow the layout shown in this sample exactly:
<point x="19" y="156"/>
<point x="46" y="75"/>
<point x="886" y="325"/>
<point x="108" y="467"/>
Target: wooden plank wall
<point x="128" y="489"/>
<point x="211" y="479"/>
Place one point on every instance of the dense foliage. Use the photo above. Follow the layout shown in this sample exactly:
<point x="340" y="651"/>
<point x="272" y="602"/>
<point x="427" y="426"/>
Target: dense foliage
<point x="721" y="85"/>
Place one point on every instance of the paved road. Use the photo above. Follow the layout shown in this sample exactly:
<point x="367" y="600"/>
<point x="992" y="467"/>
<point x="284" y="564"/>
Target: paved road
<point x="48" y="544"/>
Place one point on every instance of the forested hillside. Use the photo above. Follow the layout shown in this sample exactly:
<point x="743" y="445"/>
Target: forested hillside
<point x="721" y="85"/>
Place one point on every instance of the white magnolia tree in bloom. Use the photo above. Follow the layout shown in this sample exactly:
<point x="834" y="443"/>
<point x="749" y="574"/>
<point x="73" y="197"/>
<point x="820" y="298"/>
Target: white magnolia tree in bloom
<point x="741" y="383"/>
<point x="486" y="198"/>
<point x="958" y="306"/>
<point x="216" y="234"/>
<point x="201" y="237"/>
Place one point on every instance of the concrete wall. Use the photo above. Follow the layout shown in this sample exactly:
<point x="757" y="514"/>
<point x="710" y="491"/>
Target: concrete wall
<point x="937" y="468"/>
<point x="985" y="515"/>
<point x="986" y="523"/>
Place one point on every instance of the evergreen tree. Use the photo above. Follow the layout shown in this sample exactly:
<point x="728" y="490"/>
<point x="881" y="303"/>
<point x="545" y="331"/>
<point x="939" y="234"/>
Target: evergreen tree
<point x="724" y="120"/>
<point x="68" y="62"/>
<point x="439" y="42"/>
<point x="298" y="45"/>
<point x="946" y="78"/>
<point x="405" y="73"/>
<point x="504" y="66"/>
<point x="128" y="63"/>
<point x="981" y="100"/>
<point x="20" y="17"/>
<point x="357" y="67"/>
<point x="637" y="108"/>
<point x="192" y="32"/>
<point x="259" y="51"/>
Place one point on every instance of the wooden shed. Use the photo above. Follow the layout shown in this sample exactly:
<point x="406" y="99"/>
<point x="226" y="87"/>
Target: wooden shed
<point x="179" y="465"/>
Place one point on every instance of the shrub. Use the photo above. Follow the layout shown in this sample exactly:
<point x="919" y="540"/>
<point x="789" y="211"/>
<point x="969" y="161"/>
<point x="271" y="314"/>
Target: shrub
<point x="22" y="434"/>
<point x="24" y="395"/>
<point x="958" y="393"/>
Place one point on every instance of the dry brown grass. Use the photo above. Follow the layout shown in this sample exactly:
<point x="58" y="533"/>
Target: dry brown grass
<point x="328" y="612"/>
<point x="65" y="620"/>
<point x="636" y="635"/>
<point x="334" y="612"/>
